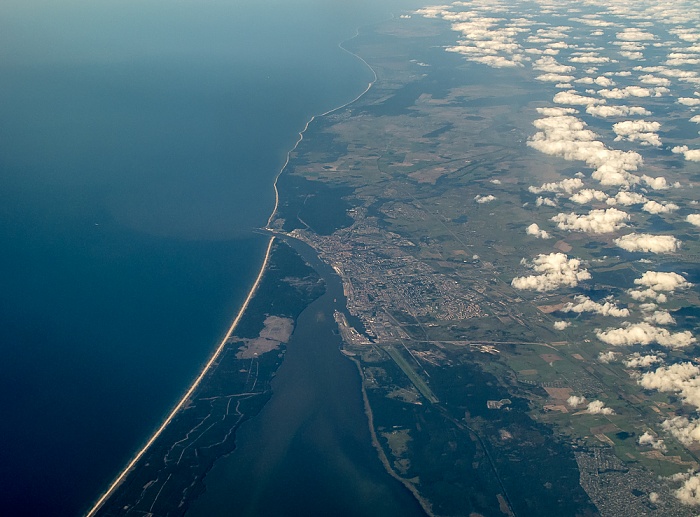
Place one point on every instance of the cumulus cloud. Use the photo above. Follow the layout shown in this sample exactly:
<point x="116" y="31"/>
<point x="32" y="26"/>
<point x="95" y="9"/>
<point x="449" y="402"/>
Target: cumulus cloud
<point x="658" y="183"/>
<point x="567" y="186"/>
<point x="692" y="155"/>
<point x="637" y="360"/>
<point x="648" y="243"/>
<point x="648" y="294"/>
<point x="630" y="91"/>
<point x="585" y="304"/>
<point x="597" y="407"/>
<point x="662" y="281"/>
<point x="484" y="199"/>
<point x="566" y="137"/>
<point x="587" y="195"/>
<point x="645" y="334"/>
<point x="590" y="58"/>
<point x="689" y="101"/>
<point x="626" y="198"/>
<point x="561" y="325"/>
<point x="653" y="80"/>
<point x="634" y="34"/>
<point x="604" y="111"/>
<point x="596" y="221"/>
<point x="555" y="78"/>
<point x="576" y="401"/>
<point x="682" y="429"/>
<point x="550" y="65"/>
<point x="653" y="207"/>
<point x="545" y="201"/>
<point x="554" y="270"/>
<point x="680" y="378"/>
<point x="573" y="98"/>
<point x="662" y="317"/>
<point x="693" y="219"/>
<point x="640" y="131"/>
<point x="607" y="357"/>
<point x="535" y="230"/>
<point x="658" y="283"/>
<point x="648" y="439"/>
<point x="689" y="492"/>
<point x="556" y="112"/>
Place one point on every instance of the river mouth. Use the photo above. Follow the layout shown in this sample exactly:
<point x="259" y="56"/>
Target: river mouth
<point x="309" y="451"/>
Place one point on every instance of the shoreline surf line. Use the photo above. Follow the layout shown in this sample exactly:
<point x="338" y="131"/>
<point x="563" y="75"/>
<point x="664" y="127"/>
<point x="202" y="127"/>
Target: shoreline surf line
<point x="190" y="391"/>
<point x="217" y="352"/>
<point x="301" y="133"/>
<point x="423" y="502"/>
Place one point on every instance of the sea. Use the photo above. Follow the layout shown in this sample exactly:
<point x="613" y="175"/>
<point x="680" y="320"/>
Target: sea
<point x="139" y="140"/>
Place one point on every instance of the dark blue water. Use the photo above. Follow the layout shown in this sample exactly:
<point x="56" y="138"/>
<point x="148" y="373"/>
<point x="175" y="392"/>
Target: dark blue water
<point x="138" y="143"/>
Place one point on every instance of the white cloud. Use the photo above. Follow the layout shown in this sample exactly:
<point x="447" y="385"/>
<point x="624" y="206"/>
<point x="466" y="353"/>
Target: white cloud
<point x="658" y="183"/>
<point x="590" y="57"/>
<point x="649" y="243"/>
<point x="645" y="334"/>
<point x="484" y="199"/>
<point x="662" y="317"/>
<point x="556" y="112"/>
<point x="601" y="80"/>
<point x="567" y="185"/>
<point x="648" y="294"/>
<point x="638" y="130"/>
<point x="653" y="80"/>
<point x="616" y="111"/>
<point x="535" y="230"/>
<point x="585" y="304"/>
<point x="662" y="281"/>
<point x="545" y="201"/>
<point x="692" y="155"/>
<point x="652" y="441"/>
<point x="576" y="401"/>
<point x="565" y="137"/>
<point x="693" y="219"/>
<point x="623" y="93"/>
<point x="680" y="378"/>
<point x="607" y="357"/>
<point x="555" y="78"/>
<point x="634" y="34"/>
<point x="684" y="430"/>
<point x="689" y="492"/>
<point x="555" y="270"/>
<point x="561" y="325"/>
<point x="549" y="64"/>
<point x="689" y="101"/>
<point x="627" y="198"/>
<point x="654" y="207"/>
<point x="571" y="97"/>
<point x="597" y="407"/>
<point x="587" y="195"/>
<point x="695" y="119"/>
<point x="637" y="360"/>
<point x="596" y="221"/>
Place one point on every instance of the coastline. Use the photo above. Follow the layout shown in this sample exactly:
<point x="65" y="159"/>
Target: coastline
<point x="306" y="126"/>
<point x="131" y="464"/>
<point x="425" y="504"/>
<point x="181" y="403"/>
